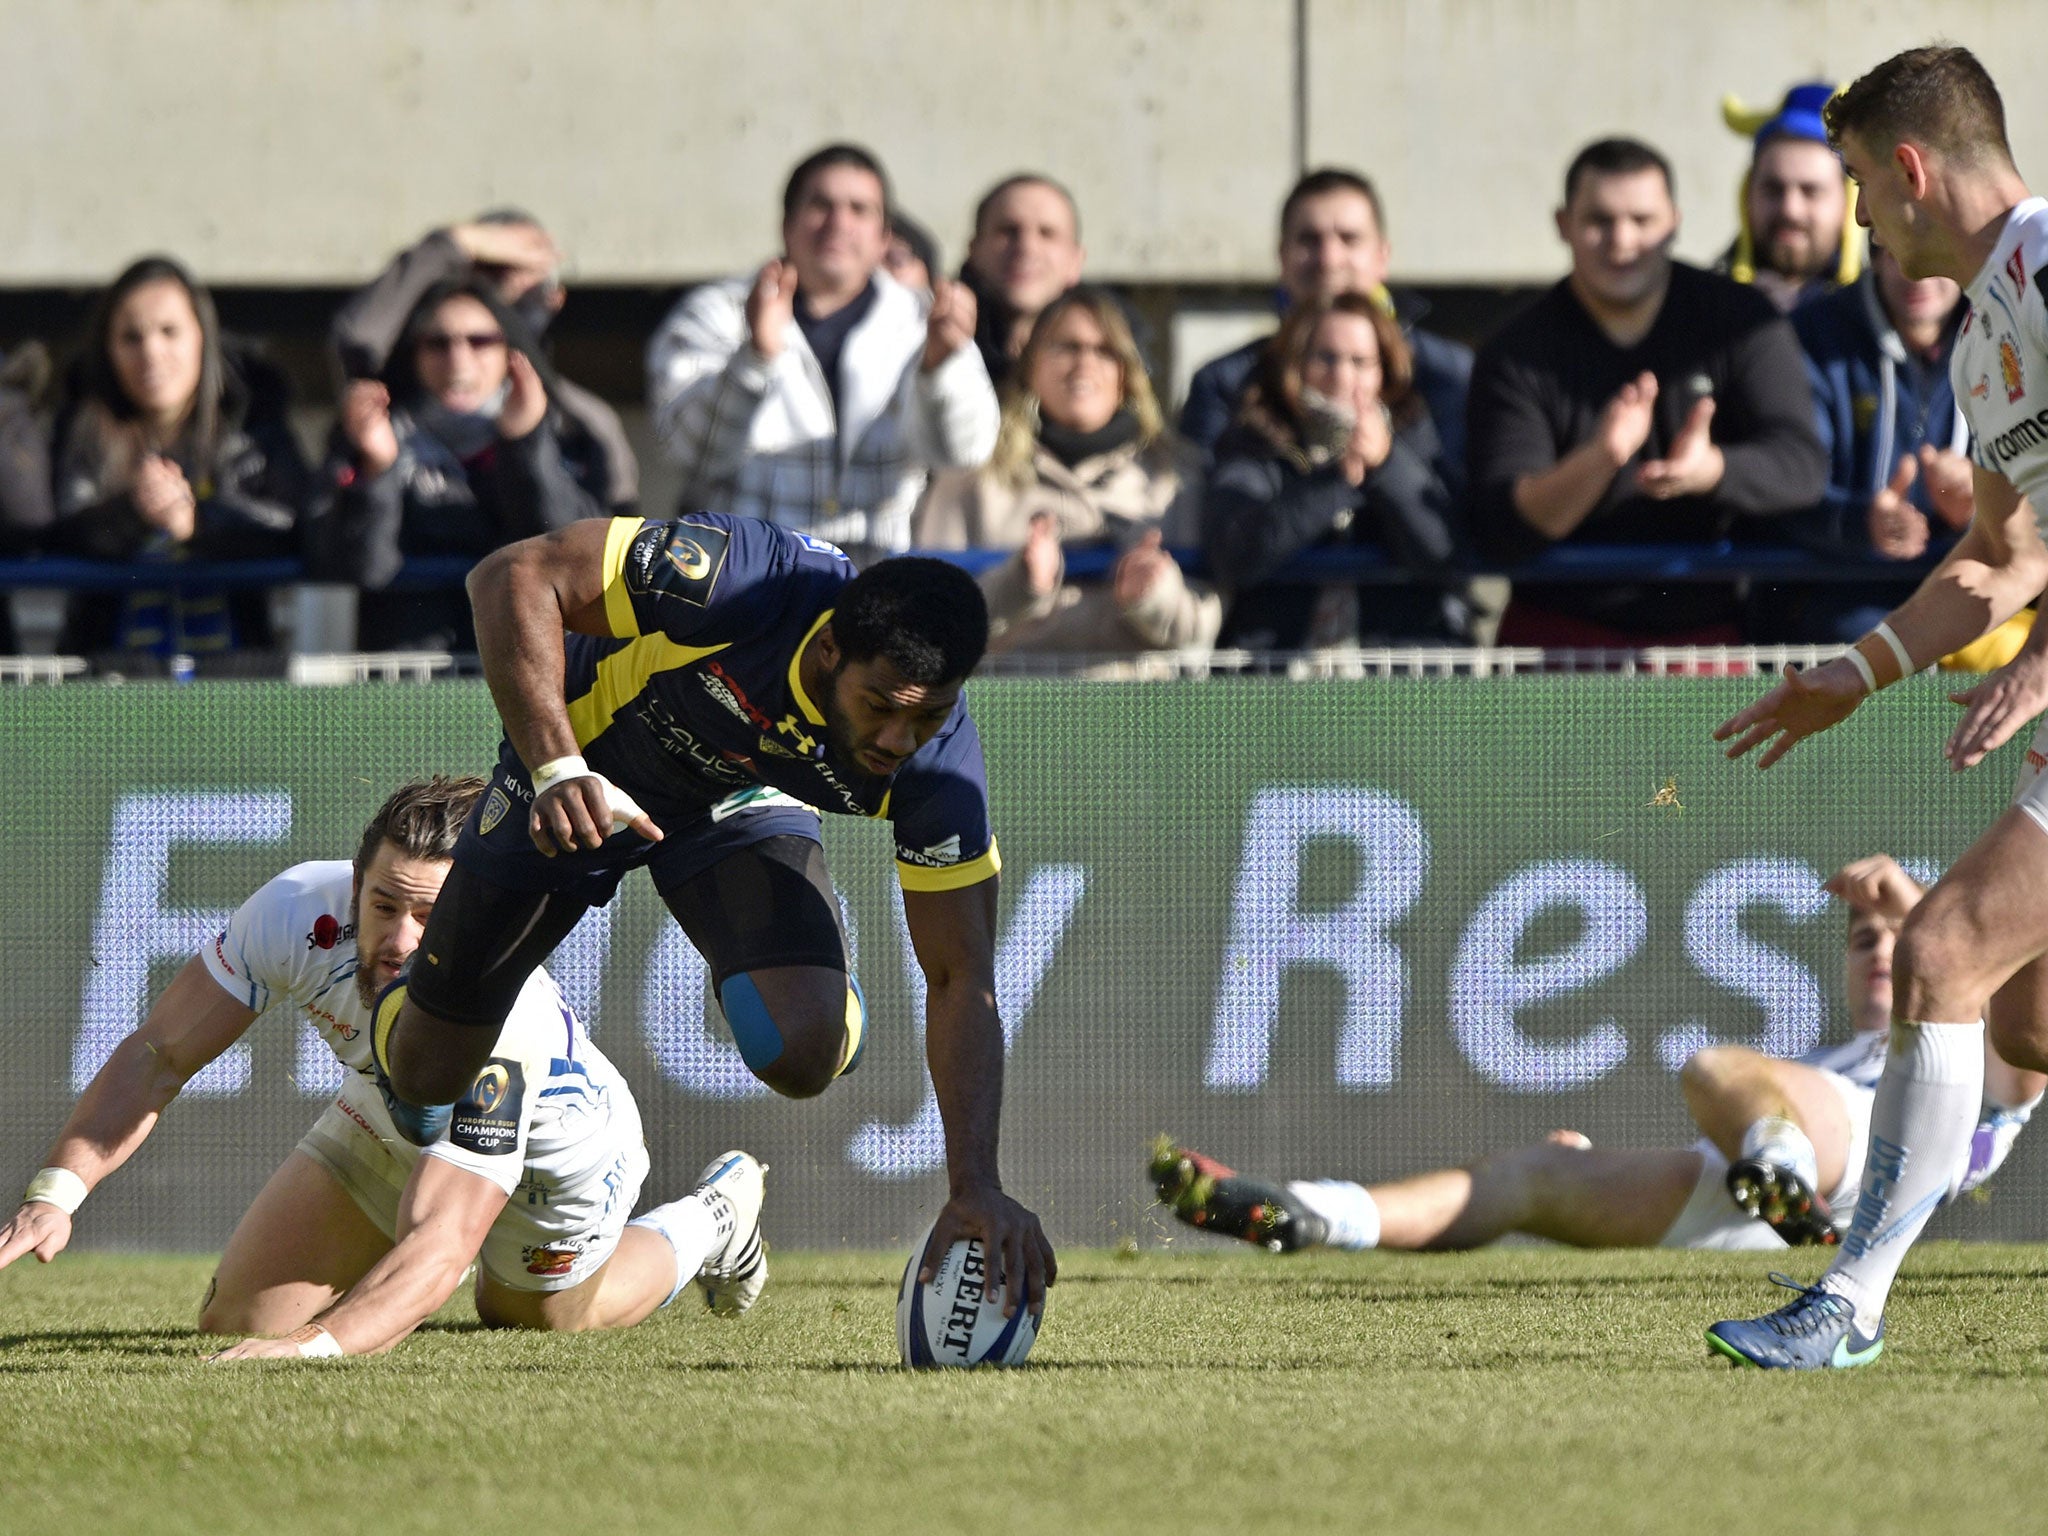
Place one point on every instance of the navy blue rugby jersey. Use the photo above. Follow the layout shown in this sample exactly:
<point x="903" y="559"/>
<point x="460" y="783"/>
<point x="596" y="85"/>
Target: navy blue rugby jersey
<point x="698" y="697"/>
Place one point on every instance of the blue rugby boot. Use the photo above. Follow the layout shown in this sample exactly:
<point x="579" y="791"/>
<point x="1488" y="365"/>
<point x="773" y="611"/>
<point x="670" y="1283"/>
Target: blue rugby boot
<point x="1815" y="1333"/>
<point x="420" y="1124"/>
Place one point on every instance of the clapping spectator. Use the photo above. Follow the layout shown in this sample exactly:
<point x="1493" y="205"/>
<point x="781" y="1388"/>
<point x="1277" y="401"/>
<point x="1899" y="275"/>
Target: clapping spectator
<point x="456" y="450"/>
<point x="1639" y="401"/>
<point x="1899" y="480"/>
<point x="1797" y="240"/>
<point x="1333" y="239"/>
<point x="1333" y="445"/>
<point x="1025" y="253"/>
<point x="819" y="393"/>
<point x="514" y="256"/>
<point x="171" y="447"/>
<point x="26" y="509"/>
<point x="1084" y="457"/>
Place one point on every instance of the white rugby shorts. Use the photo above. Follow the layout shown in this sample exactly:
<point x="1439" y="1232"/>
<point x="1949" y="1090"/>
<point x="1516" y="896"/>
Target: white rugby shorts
<point x="2030" y="792"/>
<point x="549" y="1237"/>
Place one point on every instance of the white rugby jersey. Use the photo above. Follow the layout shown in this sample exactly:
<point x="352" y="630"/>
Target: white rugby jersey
<point x="537" y="1120"/>
<point x="1860" y="1058"/>
<point x="2000" y="364"/>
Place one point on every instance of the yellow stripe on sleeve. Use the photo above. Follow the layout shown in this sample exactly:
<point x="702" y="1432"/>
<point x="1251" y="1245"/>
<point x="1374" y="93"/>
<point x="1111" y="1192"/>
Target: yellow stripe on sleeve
<point x="618" y="603"/>
<point x="952" y="877"/>
<point x="622" y="675"/>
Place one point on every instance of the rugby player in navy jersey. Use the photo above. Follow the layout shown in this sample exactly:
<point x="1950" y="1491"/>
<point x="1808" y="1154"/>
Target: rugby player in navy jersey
<point x="719" y="677"/>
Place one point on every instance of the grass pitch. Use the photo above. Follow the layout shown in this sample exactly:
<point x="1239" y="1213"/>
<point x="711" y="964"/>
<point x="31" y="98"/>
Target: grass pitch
<point x="1522" y="1390"/>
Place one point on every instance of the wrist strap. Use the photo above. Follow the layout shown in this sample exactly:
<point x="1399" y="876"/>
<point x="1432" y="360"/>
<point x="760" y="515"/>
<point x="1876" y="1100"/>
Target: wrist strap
<point x="59" y="1187"/>
<point x="552" y="772"/>
<point x="1857" y="660"/>
<point x="1890" y="637"/>
<point x="316" y="1343"/>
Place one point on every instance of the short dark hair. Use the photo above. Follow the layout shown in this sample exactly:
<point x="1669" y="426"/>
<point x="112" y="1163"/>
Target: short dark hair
<point x="1617" y="157"/>
<point x="1940" y="96"/>
<point x="1025" y="179"/>
<point x="1328" y="179"/>
<point x="824" y="159"/>
<point x="926" y="617"/>
<point x="421" y="820"/>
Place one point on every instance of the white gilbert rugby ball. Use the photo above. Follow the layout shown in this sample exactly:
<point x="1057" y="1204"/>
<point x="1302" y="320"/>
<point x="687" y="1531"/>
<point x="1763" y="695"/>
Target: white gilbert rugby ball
<point x="953" y="1319"/>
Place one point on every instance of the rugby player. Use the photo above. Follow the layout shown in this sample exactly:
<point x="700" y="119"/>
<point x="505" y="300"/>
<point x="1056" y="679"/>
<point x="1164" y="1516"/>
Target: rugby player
<point x="360" y="1235"/>
<point x="1774" y="1135"/>
<point x="1923" y="135"/>
<point x="680" y="695"/>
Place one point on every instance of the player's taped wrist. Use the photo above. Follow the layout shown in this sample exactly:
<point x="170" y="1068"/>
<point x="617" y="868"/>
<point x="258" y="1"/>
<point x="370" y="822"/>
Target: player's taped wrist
<point x="1881" y="659"/>
<point x="316" y="1343"/>
<point x="59" y="1187"/>
<point x="556" y="769"/>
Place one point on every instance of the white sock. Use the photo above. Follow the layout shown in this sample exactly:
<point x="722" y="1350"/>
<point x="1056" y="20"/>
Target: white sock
<point x="1348" y="1208"/>
<point x="692" y="1231"/>
<point x="1920" y="1127"/>
<point x="1777" y="1141"/>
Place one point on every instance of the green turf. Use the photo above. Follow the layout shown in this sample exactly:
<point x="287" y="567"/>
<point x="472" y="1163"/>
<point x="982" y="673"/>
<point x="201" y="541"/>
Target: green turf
<point x="1523" y="1390"/>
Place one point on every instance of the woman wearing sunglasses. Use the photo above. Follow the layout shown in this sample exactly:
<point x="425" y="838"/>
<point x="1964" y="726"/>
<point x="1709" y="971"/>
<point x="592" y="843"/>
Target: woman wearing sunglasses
<point x="454" y="450"/>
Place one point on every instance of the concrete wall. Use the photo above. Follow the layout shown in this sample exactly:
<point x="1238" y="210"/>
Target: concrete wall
<point x="288" y="142"/>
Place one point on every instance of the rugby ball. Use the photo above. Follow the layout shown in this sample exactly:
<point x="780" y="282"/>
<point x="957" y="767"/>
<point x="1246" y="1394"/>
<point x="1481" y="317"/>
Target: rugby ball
<point x="953" y="1319"/>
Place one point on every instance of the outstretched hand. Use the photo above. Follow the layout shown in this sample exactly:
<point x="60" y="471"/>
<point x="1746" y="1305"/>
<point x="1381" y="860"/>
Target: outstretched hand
<point x="1802" y="705"/>
<point x="1996" y="708"/>
<point x="39" y="1228"/>
<point x="1012" y="1242"/>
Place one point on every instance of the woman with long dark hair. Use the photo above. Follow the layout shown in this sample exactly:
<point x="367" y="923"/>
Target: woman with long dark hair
<point x="1333" y="446"/>
<point x="455" y="450"/>
<point x="171" y="447"/>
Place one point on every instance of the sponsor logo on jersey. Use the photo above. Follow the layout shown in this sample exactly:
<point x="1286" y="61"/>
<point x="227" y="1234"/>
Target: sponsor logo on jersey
<point x="2035" y="760"/>
<point x="2029" y="432"/>
<point x="487" y="1119"/>
<point x="496" y="804"/>
<point x="2016" y="269"/>
<point x="328" y="932"/>
<point x="821" y="547"/>
<point x="553" y="1259"/>
<point x="725" y="688"/>
<point x="220" y="953"/>
<point x="1981" y="390"/>
<point x="346" y="1031"/>
<point x="793" y="728"/>
<point x="2009" y="369"/>
<point x="937" y="856"/>
<point x="674" y="738"/>
<point x="754" y="796"/>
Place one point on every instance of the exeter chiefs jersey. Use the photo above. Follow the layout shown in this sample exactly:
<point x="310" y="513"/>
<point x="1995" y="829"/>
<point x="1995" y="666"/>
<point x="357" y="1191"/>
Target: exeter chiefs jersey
<point x="699" y="695"/>
<point x="541" y="1104"/>
<point x="2000" y="364"/>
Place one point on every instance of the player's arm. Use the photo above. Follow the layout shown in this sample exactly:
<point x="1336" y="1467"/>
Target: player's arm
<point x="443" y="1217"/>
<point x="1994" y="569"/>
<point x="192" y="1023"/>
<point x="953" y="935"/>
<point x="523" y="597"/>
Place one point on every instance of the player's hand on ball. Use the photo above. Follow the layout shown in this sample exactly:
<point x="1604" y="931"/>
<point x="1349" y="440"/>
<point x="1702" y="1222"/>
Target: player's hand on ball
<point x="582" y="812"/>
<point x="39" y="1228"/>
<point x="1996" y="708"/>
<point x="1804" y="704"/>
<point x="1011" y="1237"/>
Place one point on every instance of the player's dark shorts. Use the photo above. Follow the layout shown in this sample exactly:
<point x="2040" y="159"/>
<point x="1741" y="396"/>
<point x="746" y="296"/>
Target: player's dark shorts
<point x="745" y="878"/>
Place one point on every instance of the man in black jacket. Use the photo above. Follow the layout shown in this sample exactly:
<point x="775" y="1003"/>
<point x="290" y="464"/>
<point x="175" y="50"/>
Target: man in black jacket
<point x="1640" y="401"/>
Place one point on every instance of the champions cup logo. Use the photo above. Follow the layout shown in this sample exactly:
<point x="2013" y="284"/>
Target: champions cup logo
<point x="689" y="557"/>
<point x="490" y="1088"/>
<point x="2009" y="369"/>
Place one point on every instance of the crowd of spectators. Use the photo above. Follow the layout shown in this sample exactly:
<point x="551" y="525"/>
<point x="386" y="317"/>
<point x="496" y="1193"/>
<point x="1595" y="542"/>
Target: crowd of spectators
<point x="848" y="389"/>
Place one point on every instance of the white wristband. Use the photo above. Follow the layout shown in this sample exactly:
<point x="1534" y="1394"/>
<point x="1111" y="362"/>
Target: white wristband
<point x="1857" y="660"/>
<point x="59" y="1187"/>
<point x="1906" y="667"/>
<point x="552" y="772"/>
<point x="316" y="1343"/>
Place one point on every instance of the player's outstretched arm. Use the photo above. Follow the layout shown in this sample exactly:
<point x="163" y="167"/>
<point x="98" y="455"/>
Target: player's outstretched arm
<point x="443" y="1217"/>
<point x="1995" y="568"/>
<point x="2001" y="703"/>
<point x="523" y="597"/>
<point x="193" y="1022"/>
<point x="953" y="934"/>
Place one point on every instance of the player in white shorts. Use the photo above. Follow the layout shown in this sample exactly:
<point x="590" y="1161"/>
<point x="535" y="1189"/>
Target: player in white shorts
<point x="1923" y="135"/>
<point x="1775" y="1134"/>
<point x="362" y="1234"/>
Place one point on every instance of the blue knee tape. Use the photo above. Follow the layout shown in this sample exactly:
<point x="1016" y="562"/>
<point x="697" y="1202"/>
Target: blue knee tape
<point x="753" y="1028"/>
